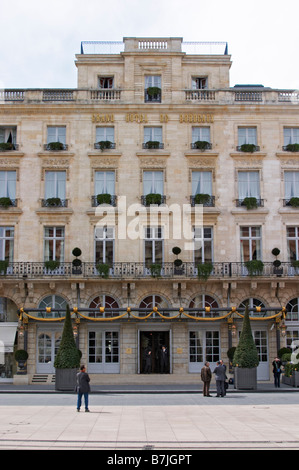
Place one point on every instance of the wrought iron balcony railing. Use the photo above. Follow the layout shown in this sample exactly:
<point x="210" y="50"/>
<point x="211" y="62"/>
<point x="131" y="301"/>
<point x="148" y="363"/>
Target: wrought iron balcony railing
<point x="96" y="201"/>
<point x="54" y="202"/>
<point x="138" y="270"/>
<point x="208" y="201"/>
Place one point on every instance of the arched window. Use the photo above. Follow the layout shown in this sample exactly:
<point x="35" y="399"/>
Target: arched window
<point x="200" y="302"/>
<point x="104" y="301"/>
<point x="293" y="309"/>
<point x="252" y="303"/>
<point x="152" y="301"/>
<point x="55" y="302"/>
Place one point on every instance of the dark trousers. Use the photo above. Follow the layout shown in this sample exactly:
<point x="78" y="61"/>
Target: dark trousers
<point x="206" y="388"/>
<point x="220" y="388"/>
<point x="277" y="379"/>
<point x="79" y="401"/>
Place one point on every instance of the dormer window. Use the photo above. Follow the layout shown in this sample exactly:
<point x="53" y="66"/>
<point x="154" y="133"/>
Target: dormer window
<point x="106" y="83"/>
<point x="199" y="83"/>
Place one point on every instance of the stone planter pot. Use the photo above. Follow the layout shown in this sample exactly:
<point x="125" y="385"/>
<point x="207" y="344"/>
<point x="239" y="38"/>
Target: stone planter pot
<point x="65" y="379"/>
<point x="245" y="379"/>
<point x="293" y="381"/>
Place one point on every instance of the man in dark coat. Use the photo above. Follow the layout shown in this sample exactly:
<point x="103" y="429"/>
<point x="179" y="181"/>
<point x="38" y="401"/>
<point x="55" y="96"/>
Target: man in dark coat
<point x="164" y="360"/>
<point x="83" y="388"/>
<point x="220" y="375"/>
<point x="148" y="361"/>
<point x="206" y="376"/>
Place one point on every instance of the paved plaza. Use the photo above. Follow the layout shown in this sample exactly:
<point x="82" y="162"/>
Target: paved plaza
<point x="179" y="420"/>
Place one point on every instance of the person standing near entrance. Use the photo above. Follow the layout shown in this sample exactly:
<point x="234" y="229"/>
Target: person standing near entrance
<point x="164" y="360"/>
<point x="148" y="361"/>
<point x="277" y="364"/>
<point x="206" y="376"/>
<point x="220" y="374"/>
<point x="83" y="388"/>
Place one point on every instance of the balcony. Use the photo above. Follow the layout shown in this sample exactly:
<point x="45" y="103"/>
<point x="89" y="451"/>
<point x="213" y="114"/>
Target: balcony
<point x="55" y="147"/>
<point x="53" y="202"/>
<point x="98" y="199"/>
<point x="153" y="144"/>
<point x="250" y="203"/>
<point x="138" y="270"/>
<point x="206" y="201"/>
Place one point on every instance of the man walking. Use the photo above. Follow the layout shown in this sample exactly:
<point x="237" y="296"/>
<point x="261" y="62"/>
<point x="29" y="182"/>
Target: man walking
<point x="83" y="388"/>
<point x="206" y="376"/>
<point x="220" y="375"/>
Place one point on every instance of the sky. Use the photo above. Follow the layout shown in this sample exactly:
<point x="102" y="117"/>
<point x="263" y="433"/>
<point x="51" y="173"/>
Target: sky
<point x="40" y="38"/>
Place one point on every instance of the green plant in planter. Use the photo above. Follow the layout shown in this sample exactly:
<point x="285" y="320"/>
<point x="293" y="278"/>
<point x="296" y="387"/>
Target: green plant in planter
<point x="55" y="146"/>
<point x="53" y="201"/>
<point x="178" y="262"/>
<point x="103" y="270"/>
<point x="295" y="263"/>
<point x="294" y="202"/>
<point x="292" y="147"/>
<point x="52" y="264"/>
<point x="21" y="355"/>
<point x="153" y="198"/>
<point x="68" y="355"/>
<point x="201" y="198"/>
<point x="246" y="354"/>
<point x="176" y="250"/>
<point x="155" y="270"/>
<point x="152" y="144"/>
<point x="250" y="203"/>
<point x="5" y="202"/>
<point x="105" y="144"/>
<point x="153" y="91"/>
<point x="104" y="198"/>
<point x="204" y="270"/>
<point x="248" y="148"/>
<point x="6" y="146"/>
<point x="255" y="267"/>
<point x="201" y="145"/>
<point x="76" y="262"/>
<point x="3" y="266"/>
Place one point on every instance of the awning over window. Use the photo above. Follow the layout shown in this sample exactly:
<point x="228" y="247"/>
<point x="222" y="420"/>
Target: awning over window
<point x="7" y="337"/>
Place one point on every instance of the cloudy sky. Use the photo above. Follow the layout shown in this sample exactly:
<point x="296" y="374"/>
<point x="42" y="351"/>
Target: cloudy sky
<point x="40" y="38"/>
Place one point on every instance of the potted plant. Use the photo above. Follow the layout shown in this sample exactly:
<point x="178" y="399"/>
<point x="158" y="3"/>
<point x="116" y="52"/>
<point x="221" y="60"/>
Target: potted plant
<point x="67" y="361"/>
<point x="153" y="91"/>
<point x="201" y="145"/>
<point x="76" y="262"/>
<point x="255" y="267"/>
<point x="6" y="146"/>
<point x="246" y="360"/>
<point x="277" y="263"/>
<point x="178" y="268"/>
<point x="155" y="269"/>
<point x="55" y="146"/>
<point x="104" y="198"/>
<point x="21" y="357"/>
<point x="248" y="148"/>
<point x="3" y="266"/>
<point x="5" y="202"/>
<point x="152" y="144"/>
<point x="103" y="270"/>
<point x="104" y="144"/>
<point x="153" y="198"/>
<point x="292" y="147"/>
<point x="52" y="264"/>
<point x="294" y="202"/>
<point x="250" y="203"/>
<point x="53" y="202"/>
<point x="202" y="198"/>
<point x="204" y="270"/>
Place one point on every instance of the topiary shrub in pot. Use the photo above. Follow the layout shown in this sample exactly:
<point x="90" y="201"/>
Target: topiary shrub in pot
<point x="67" y="361"/>
<point x="246" y="360"/>
<point x="21" y="357"/>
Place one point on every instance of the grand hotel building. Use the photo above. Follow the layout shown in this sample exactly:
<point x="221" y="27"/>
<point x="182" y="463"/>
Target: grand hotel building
<point x="156" y="169"/>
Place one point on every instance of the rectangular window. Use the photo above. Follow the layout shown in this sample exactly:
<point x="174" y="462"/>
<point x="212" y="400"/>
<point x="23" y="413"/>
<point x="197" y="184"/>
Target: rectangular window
<point x="248" y="184"/>
<point x="203" y="245"/>
<point x="199" y="83"/>
<point x="54" y="244"/>
<point x="201" y="182"/>
<point x="200" y="134"/>
<point x="153" y="246"/>
<point x="8" y="184"/>
<point x="55" y="183"/>
<point x="104" y="245"/>
<point x="104" y="134"/>
<point x="152" y="85"/>
<point x="250" y="241"/>
<point x="247" y="135"/>
<point x="153" y="134"/>
<point x="204" y="346"/>
<point x="291" y="184"/>
<point x="153" y="182"/>
<point x="293" y="243"/>
<point x="103" y="347"/>
<point x="56" y="134"/>
<point x="104" y="182"/>
<point x="290" y="135"/>
<point x="7" y="243"/>
<point x="8" y="135"/>
<point x="106" y="82"/>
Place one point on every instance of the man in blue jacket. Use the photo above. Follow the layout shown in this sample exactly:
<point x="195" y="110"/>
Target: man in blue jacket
<point x="220" y="376"/>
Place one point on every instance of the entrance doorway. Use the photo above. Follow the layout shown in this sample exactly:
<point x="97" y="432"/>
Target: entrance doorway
<point x="152" y="359"/>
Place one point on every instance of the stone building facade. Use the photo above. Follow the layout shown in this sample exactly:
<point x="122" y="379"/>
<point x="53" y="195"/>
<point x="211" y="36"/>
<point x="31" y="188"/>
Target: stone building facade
<point x="154" y="150"/>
